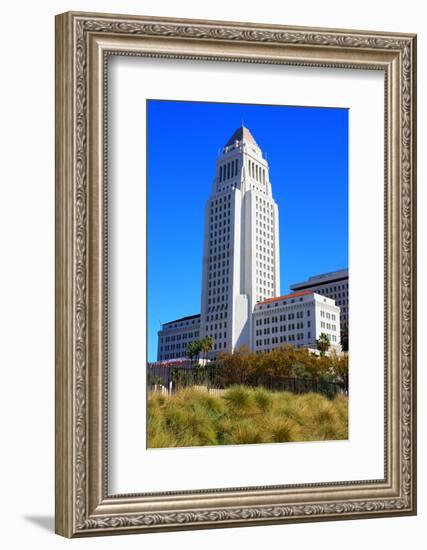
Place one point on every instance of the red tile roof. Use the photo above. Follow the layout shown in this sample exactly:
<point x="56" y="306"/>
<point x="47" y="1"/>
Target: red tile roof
<point x="286" y="297"/>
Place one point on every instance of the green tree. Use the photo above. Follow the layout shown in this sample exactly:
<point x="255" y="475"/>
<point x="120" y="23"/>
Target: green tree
<point x="194" y="349"/>
<point x="207" y="345"/>
<point x="323" y="344"/>
<point x="198" y="347"/>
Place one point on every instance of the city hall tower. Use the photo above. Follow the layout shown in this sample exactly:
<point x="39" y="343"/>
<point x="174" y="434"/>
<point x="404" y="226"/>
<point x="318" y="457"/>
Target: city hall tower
<point x="241" y="244"/>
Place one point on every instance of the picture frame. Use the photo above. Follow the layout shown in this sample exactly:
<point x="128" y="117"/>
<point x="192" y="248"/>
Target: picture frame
<point x="84" y="505"/>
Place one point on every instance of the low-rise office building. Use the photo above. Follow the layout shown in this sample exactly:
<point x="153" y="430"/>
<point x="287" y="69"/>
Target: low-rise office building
<point x="174" y="337"/>
<point x="297" y="319"/>
<point x="333" y="285"/>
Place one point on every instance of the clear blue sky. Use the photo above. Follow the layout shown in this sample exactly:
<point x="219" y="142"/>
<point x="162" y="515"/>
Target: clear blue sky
<point x="307" y="152"/>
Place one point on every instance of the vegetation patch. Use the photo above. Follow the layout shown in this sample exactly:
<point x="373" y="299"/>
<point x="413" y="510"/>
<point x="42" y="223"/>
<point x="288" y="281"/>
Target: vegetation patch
<point x="241" y="415"/>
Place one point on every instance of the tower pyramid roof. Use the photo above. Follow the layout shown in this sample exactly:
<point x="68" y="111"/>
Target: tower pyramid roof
<point x="242" y="133"/>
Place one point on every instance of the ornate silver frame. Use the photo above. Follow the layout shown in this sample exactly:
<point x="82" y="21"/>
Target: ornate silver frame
<point x="83" y="42"/>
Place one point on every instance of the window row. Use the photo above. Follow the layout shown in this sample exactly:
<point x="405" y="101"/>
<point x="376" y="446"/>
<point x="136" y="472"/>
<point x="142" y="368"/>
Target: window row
<point x="265" y="203"/>
<point x="221" y="315"/>
<point x="216" y="282"/>
<point x="282" y="328"/>
<point x="175" y="337"/>
<point x="264" y="221"/>
<point x="214" y="227"/>
<point x="221" y="231"/>
<point x="219" y="218"/>
<point x="328" y="315"/>
<point x="298" y="337"/>
<point x="218" y="300"/>
<point x="220" y="290"/>
<point x="264" y="257"/>
<point x="217" y="241"/>
<point x="328" y="326"/>
<point x="221" y="209"/>
<point x="222" y="200"/>
<point x="216" y="326"/>
<point x="283" y="317"/>
<point x="217" y="249"/>
<point x="256" y="171"/>
<point x="215" y="267"/>
<point x="213" y="259"/>
<point x="338" y="287"/>
<point x="269" y="260"/>
<point x="264" y="278"/>
<point x="228" y="170"/>
<point x="214" y="275"/>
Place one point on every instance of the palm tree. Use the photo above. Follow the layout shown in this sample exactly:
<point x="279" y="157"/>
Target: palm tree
<point x="198" y="348"/>
<point x="323" y="344"/>
<point x="207" y="345"/>
<point x="192" y="351"/>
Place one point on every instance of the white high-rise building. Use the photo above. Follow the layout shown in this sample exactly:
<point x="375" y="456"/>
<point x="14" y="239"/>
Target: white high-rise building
<point x="241" y="244"/>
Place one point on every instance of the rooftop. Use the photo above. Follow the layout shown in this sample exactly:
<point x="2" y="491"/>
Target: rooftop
<point x="242" y="133"/>
<point x="322" y="278"/>
<point x="339" y="273"/>
<point x="188" y="318"/>
<point x="286" y="297"/>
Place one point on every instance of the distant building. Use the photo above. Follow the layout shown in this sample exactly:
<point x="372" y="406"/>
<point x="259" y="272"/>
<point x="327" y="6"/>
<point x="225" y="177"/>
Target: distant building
<point x="333" y="285"/>
<point x="174" y="337"/>
<point x="297" y="319"/>
<point x="241" y="275"/>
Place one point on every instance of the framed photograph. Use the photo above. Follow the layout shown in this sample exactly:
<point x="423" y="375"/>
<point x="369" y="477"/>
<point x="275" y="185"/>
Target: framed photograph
<point x="235" y="274"/>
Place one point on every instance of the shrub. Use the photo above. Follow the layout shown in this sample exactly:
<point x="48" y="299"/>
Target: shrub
<point x="245" y="367"/>
<point x="244" y="431"/>
<point x="193" y="417"/>
<point x="283" y="429"/>
<point x="262" y="399"/>
<point x="239" y="398"/>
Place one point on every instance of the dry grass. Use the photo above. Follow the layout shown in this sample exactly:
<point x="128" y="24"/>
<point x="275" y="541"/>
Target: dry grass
<point x="192" y="417"/>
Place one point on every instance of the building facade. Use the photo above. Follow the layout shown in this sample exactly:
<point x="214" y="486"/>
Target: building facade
<point x="241" y="244"/>
<point x="297" y="319"/>
<point x="174" y="337"/>
<point x="334" y="285"/>
<point x="241" y="304"/>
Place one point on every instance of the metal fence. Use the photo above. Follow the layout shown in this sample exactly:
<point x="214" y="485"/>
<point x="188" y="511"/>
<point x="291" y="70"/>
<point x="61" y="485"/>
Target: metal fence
<point x="170" y="379"/>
